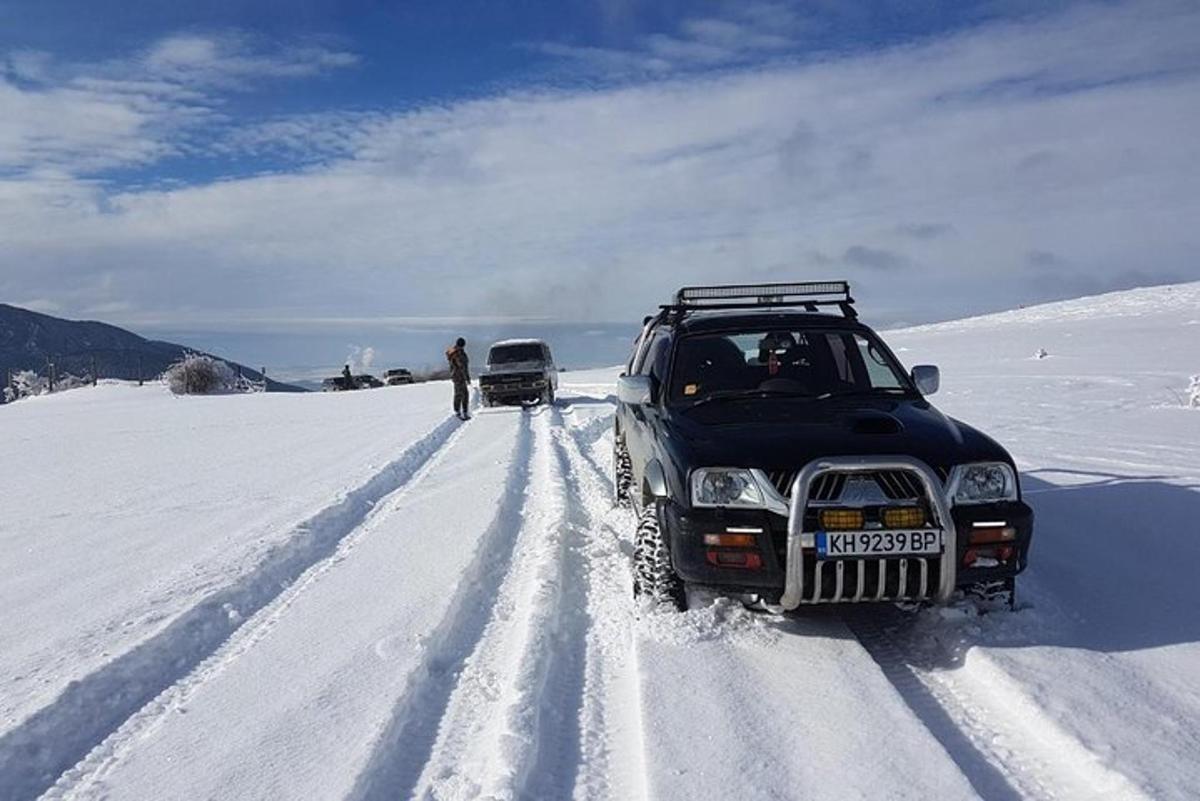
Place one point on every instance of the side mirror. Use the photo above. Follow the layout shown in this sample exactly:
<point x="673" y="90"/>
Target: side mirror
<point x="927" y="378"/>
<point x="636" y="390"/>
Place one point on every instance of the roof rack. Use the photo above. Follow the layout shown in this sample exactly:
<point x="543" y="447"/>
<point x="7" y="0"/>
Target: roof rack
<point x="810" y="295"/>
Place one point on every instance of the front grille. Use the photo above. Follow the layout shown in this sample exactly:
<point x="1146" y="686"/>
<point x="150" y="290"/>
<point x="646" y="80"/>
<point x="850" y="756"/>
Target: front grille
<point x="860" y="580"/>
<point x="896" y="485"/>
<point x="872" y="491"/>
<point x="511" y="379"/>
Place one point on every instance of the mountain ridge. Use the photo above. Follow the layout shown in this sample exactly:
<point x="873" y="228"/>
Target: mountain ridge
<point x="30" y="340"/>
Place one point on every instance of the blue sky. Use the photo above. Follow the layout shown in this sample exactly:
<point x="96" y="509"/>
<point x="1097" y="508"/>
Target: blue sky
<point x="405" y="55"/>
<point x="272" y="165"/>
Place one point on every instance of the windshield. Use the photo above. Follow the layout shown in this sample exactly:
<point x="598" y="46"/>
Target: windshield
<point x="800" y="363"/>
<point x="509" y="354"/>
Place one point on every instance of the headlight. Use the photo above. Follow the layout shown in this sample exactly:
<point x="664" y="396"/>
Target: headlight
<point x="983" y="483"/>
<point x="725" y="486"/>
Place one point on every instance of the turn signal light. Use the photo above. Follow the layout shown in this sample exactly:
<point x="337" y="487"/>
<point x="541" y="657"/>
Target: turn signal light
<point x="742" y="560"/>
<point x="731" y="540"/>
<point x="904" y="517"/>
<point x="841" y="519"/>
<point x="990" y="534"/>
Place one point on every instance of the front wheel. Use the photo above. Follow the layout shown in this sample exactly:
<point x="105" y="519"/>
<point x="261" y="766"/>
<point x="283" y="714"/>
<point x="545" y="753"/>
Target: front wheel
<point x="653" y="575"/>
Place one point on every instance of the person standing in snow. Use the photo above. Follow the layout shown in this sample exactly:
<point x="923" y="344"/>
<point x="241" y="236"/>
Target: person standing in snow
<point x="348" y="378"/>
<point x="460" y="374"/>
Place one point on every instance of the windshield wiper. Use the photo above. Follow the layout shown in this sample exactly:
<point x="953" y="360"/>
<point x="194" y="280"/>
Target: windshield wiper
<point x="749" y="394"/>
<point x="843" y="393"/>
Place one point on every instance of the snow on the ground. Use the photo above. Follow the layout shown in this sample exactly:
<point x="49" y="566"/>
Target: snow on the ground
<point x="1094" y="686"/>
<point x="124" y="506"/>
<point x="355" y="596"/>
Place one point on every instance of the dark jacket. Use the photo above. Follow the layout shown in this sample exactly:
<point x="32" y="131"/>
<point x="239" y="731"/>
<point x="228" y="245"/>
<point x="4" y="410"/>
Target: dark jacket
<point x="459" y="364"/>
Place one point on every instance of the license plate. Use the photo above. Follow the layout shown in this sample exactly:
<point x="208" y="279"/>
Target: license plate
<point x="851" y="544"/>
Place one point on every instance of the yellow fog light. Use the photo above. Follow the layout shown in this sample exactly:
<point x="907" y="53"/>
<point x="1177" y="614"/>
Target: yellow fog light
<point x="841" y="519"/>
<point x="904" y="517"/>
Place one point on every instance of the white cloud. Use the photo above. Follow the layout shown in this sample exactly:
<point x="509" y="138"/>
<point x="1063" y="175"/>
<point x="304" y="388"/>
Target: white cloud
<point x="85" y="118"/>
<point x="1072" y="134"/>
<point x="233" y="59"/>
<point x="750" y="30"/>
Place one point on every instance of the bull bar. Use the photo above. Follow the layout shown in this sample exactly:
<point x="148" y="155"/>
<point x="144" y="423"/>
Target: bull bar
<point x="793" y="592"/>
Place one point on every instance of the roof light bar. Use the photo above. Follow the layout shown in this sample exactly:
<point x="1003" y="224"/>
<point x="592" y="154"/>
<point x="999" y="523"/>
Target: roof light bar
<point x="765" y="293"/>
<point x="807" y="294"/>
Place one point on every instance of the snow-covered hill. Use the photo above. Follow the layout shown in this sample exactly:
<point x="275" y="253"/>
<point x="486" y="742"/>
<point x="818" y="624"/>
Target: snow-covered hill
<point x="353" y="595"/>
<point x="31" y="340"/>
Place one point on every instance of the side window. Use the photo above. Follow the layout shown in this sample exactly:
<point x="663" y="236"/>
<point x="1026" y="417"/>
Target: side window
<point x="637" y="365"/>
<point x="654" y="362"/>
<point x="659" y="361"/>
<point x="878" y="370"/>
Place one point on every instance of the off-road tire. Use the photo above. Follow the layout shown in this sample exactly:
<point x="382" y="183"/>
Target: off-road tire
<point x="653" y="575"/>
<point x="622" y="474"/>
<point x="548" y="396"/>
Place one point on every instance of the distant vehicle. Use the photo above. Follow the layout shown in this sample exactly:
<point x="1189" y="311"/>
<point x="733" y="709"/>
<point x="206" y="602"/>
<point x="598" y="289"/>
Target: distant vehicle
<point x="784" y="456"/>
<point x="397" y="376"/>
<point x="519" y="370"/>
<point x="336" y="384"/>
<point x="339" y="383"/>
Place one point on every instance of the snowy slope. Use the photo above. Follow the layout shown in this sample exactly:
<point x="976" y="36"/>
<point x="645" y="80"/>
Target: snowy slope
<point x="125" y="506"/>
<point x="355" y="596"/>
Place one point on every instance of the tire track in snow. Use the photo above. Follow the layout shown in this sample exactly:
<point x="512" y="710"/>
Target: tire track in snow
<point x="1006" y="746"/>
<point x="612" y="739"/>
<point x="558" y="743"/>
<point x="586" y="429"/>
<point x="406" y="743"/>
<point x="494" y="734"/>
<point x="507" y="722"/>
<point x="989" y="781"/>
<point x="55" y="738"/>
<point x="586" y="433"/>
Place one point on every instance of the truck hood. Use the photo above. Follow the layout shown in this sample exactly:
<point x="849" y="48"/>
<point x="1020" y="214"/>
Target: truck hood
<point x="781" y="435"/>
<point x="514" y="367"/>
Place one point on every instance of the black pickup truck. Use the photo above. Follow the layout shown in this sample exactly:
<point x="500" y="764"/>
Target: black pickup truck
<point x="780" y="453"/>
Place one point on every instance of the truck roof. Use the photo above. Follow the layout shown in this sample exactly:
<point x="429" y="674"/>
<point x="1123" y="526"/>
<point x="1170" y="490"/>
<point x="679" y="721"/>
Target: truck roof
<point x="700" y="321"/>
<point x="506" y="342"/>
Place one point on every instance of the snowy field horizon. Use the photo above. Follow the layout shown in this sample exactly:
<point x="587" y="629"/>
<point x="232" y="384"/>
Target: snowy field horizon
<point x="356" y="595"/>
<point x="304" y="354"/>
<point x="304" y="357"/>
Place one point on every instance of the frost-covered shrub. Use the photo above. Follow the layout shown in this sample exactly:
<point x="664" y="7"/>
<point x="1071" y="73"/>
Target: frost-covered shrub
<point x="25" y="384"/>
<point x="1194" y="392"/>
<point x="28" y="384"/>
<point x="196" y="374"/>
<point x="68" y="381"/>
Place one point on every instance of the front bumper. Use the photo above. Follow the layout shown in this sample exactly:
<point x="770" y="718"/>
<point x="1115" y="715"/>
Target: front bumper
<point x="1015" y="514"/>
<point x="689" y="555"/>
<point x="791" y="576"/>
<point x="514" y="390"/>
